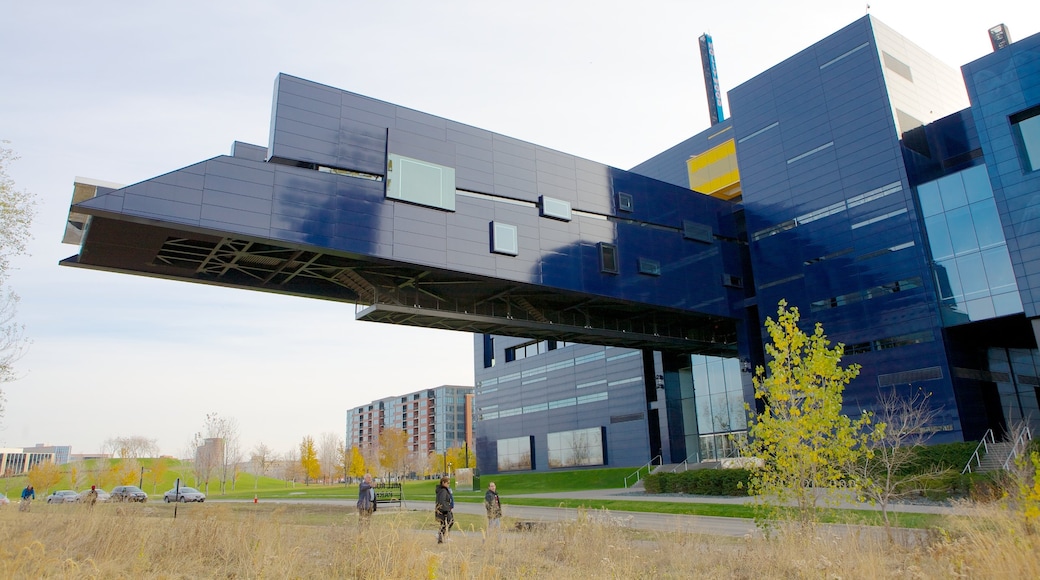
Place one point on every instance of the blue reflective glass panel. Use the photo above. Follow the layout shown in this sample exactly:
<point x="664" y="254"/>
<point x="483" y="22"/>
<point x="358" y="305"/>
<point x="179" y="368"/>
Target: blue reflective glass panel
<point x="999" y="272"/>
<point x="948" y="279"/>
<point x="987" y="223"/>
<point x="962" y="231"/>
<point x="976" y="184"/>
<point x="951" y="189"/>
<point x="928" y="194"/>
<point x="1005" y="304"/>
<point x="973" y="276"/>
<point x="938" y="237"/>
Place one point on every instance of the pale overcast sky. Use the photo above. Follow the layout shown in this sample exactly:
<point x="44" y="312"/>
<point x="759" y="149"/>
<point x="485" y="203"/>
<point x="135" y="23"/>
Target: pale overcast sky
<point x="127" y="90"/>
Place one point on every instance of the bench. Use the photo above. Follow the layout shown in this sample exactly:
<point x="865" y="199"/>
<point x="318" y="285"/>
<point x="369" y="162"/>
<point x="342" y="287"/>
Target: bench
<point x="389" y="493"/>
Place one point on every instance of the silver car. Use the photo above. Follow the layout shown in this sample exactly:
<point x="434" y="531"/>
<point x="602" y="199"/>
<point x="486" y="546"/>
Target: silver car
<point x="63" y="496"/>
<point x="187" y="494"/>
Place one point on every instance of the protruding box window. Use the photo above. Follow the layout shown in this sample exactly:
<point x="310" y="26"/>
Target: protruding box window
<point x="697" y="232"/>
<point x="624" y="201"/>
<point x="504" y="239"/>
<point x="420" y="182"/>
<point x="649" y="267"/>
<point x="555" y="208"/>
<point x="608" y="259"/>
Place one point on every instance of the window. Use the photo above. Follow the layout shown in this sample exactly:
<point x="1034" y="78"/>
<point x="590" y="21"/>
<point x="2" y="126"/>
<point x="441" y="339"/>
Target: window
<point x="576" y="448"/>
<point x="624" y="201"/>
<point x="420" y="182"/>
<point x="697" y="232"/>
<point x="608" y="259"/>
<point x="555" y="208"/>
<point x="503" y="239"/>
<point x="649" y="267"/>
<point x="514" y="454"/>
<point x="1026" y="126"/>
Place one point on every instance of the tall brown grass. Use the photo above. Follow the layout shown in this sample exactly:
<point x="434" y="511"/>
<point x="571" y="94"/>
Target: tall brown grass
<point x="321" y="541"/>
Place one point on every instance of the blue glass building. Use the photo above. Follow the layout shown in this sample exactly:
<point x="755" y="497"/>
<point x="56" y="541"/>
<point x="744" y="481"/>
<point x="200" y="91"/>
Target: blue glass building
<point x="617" y="314"/>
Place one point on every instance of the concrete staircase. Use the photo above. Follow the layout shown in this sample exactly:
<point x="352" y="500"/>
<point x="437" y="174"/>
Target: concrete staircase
<point x="996" y="455"/>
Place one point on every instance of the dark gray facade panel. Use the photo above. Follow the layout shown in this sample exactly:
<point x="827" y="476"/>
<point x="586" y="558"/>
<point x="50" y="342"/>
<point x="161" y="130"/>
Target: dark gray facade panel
<point x="187" y="213"/>
<point x="160" y="193"/>
<point x="291" y="122"/>
<point x="368" y="105"/>
<point x="254" y="220"/>
<point x="420" y="129"/>
<point x="405" y="250"/>
<point x="185" y="178"/>
<point x="471" y="137"/>
<point x="309" y="107"/>
<point x="234" y="201"/>
<point x="479" y="158"/>
<point x="238" y="229"/>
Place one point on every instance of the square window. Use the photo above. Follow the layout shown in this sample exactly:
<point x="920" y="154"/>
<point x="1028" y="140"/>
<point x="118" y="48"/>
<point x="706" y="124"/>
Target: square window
<point x="608" y="261"/>
<point x="649" y="267"/>
<point x="1026" y="127"/>
<point x="624" y="201"/>
<point x="503" y="239"/>
<point x="555" y="208"/>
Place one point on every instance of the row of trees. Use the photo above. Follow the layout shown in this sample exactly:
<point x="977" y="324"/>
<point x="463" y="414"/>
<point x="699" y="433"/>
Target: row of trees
<point x="17" y="209"/>
<point x="329" y="459"/>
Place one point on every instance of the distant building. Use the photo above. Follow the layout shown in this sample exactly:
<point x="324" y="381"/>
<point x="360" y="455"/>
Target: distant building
<point x="435" y="419"/>
<point x="17" y="461"/>
<point x="62" y="453"/>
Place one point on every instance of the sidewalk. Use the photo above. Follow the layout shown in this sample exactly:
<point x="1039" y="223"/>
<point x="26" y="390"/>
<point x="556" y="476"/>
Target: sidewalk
<point x="629" y="495"/>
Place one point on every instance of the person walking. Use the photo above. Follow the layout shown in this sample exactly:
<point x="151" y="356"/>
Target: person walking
<point x="443" y="509"/>
<point x="28" y="494"/>
<point x="92" y="496"/>
<point x="493" y="507"/>
<point x="366" y="503"/>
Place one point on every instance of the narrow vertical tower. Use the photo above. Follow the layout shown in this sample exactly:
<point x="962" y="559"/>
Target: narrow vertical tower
<point x="711" y="80"/>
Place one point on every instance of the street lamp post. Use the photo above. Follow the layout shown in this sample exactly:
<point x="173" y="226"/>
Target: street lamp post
<point x="141" y="483"/>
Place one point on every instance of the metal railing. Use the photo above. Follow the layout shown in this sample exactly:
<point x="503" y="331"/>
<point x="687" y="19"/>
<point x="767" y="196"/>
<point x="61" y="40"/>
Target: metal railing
<point x="649" y="466"/>
<point x="1021" y="440"/>
<point x="987" y="436"/>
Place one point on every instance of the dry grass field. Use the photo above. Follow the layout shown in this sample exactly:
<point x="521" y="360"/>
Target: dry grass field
<point x="271" y="540"/>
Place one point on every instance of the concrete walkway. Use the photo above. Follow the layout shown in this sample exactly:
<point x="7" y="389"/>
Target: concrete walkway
<point x="734" y="527"/>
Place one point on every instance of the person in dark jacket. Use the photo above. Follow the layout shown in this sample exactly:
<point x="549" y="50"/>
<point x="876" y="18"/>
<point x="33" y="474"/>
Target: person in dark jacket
<point x="28" y="494"/>
<point x="366" y="503"/>
<point x="443" y="509"/>
<point x="493" y="507"/>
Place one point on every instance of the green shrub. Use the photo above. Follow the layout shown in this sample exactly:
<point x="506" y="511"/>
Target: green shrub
<point x="699" y="482"/>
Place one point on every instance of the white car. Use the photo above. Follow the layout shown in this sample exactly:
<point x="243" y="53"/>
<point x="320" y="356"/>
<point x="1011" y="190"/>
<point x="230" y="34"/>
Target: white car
<point x="187" y="494"/>
<point x="63" y="496"/>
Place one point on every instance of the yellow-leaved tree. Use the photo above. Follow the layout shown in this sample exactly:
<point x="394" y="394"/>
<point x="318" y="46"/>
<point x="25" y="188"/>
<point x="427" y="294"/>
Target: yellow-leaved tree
<point x="802" y="437"/>
<point x="393" y="450"/>
<point x="357" y="462"/>
<point x="309" y="460"/>
<point x="43" y="476"/>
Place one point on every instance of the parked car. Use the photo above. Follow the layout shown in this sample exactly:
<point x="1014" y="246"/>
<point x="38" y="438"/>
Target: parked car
<point x="63" y="496"/>
<point x="4" y="500"/>
<point x="102" y="495"/>
<point x="128" y="493"/>
<point x="187" y="494"/>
